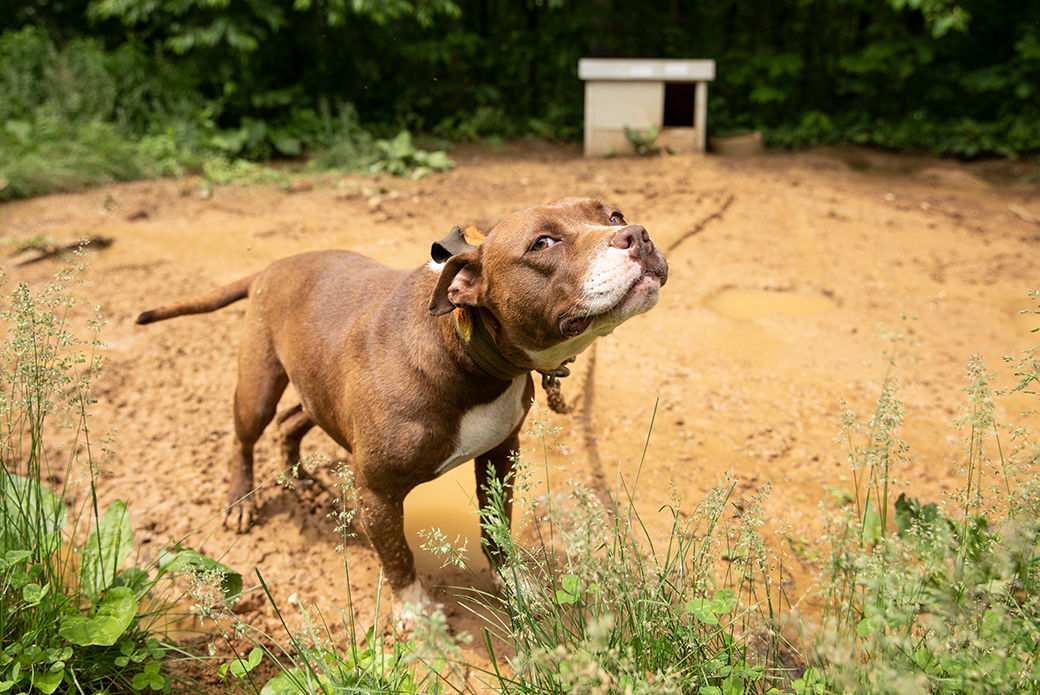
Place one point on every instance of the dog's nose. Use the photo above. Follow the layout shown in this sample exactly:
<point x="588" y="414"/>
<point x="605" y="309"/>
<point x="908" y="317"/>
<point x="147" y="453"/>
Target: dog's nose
<point x="634" y="238"/>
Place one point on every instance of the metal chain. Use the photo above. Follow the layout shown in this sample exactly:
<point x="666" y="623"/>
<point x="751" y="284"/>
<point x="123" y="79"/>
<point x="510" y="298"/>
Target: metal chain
<point x="551" y="385"/>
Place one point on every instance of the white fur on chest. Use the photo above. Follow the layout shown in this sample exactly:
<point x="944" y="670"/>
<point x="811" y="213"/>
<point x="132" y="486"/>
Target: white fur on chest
<point x="483" y="427"/>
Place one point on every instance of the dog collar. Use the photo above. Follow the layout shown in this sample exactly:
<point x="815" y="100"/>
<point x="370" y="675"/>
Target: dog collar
<point x="457" y="241"/>
<point x="480" y="346"/>
<point x="476" y="339"/>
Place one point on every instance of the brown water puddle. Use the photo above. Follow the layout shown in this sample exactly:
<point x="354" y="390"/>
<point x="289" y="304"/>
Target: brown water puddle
<point x="449" y="504"/>
<point x="747" y="304"/>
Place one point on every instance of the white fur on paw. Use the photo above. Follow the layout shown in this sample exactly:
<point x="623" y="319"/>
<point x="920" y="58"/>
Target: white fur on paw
<point x="411" y="604"/>
<point x="512" y="580"/>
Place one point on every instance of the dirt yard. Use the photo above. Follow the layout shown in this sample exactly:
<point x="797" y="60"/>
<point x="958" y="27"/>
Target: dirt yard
<point x="783" y="267"/>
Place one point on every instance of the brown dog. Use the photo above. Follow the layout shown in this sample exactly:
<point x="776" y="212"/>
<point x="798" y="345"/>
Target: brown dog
<point x="416" y="372"/>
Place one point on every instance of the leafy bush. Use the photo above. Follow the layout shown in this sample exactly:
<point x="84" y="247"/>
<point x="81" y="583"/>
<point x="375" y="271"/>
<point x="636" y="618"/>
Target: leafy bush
<point x="72" y="618"/>
<point x="399" y="157"/>
<point x="57" y="120"/>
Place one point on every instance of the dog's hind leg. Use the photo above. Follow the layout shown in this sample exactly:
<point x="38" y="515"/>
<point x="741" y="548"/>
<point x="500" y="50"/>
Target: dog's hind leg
<point x="293" y="425"/>
<point x="261" y="382"/>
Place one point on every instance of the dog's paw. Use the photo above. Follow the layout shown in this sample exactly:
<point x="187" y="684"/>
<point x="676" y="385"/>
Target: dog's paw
<point x="514" y="581"/>
<point x="240" y="517"/>
<point x="411" y="605"/>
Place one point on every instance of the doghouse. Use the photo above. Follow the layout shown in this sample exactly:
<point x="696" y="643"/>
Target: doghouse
<point x="671" y="95"/>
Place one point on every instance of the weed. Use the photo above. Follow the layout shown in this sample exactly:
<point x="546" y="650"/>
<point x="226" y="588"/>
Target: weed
<point x="400" y="158"/>
<point x="645" y="141"/>
<point x="73" y="618"/>
<point x="426" y="661"/>
<point x="595" y="606"/>
<point x="951" y="602"/>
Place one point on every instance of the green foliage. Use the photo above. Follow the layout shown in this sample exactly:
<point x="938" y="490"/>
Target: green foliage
<point x="595" y="605"/>
<point x="399" y="157"/>
<point x="71" y="617"/>
<point x="165" y="85"/>
<point x="645" y="141"/>
<point x="424" y="662"/>
<point x="951" y="603"/>
<point x="53" y="129"/>
<point x="372" y="668"/>
<point x="941" y="15"/>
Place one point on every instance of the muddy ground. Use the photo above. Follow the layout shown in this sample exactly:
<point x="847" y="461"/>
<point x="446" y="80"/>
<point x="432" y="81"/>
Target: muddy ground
<point x="783" y="267"/>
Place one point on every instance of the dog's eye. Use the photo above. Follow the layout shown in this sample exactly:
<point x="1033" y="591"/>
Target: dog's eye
<point x="543" y="243"/>
<point x="617" y="218"/>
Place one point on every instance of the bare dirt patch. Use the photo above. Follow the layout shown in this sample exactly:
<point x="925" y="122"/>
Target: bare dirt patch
<point x="860" y="238"/>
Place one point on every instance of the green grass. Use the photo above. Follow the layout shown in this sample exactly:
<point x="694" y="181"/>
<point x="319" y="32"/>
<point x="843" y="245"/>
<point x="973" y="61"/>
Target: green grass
<point x="595" y="605"/>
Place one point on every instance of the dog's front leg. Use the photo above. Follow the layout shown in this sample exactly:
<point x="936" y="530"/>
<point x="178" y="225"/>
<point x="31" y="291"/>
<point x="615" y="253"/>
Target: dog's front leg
<point x="383" y="517"/>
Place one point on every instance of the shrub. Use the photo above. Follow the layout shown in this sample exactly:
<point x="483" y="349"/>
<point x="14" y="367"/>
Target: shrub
<point x="72" y="618"/>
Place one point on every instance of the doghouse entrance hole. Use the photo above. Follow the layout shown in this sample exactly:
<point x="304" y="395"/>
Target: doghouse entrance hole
<point x="679" y="100"/>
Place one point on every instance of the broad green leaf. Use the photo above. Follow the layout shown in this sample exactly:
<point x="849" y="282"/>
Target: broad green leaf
<point x="401" y="146"/>
<point x="925" y="660"/>
<point x="724" y="601"/>
<point x="569" y="592"/>
<point x="32" y="516"/>
<point x="34" y="593"/>
<point x="240" y="667"/>
<point x="701" y="610"/>
<point x="47" y="681"/>
<point x="114" y="615"/>
<point x="734" y="685"/>
<point x="439" y="161"/>
<point x="105" y="549"/>
<point x="13" y="557"/>
<point x="149" y="677"/>
<point x="181" y="559"/>
<point x="296" y="681"/>
<point x="286" y="144"/>
<point x="135" y="578"/>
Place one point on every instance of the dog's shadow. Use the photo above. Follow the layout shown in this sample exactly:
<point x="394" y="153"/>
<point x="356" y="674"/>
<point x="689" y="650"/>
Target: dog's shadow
<point x="313" y="500"/>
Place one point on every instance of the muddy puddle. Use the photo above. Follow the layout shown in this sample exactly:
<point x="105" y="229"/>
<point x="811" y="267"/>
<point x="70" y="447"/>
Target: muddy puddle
<point x="448" y="504"/>
<point x="748" y="304"/>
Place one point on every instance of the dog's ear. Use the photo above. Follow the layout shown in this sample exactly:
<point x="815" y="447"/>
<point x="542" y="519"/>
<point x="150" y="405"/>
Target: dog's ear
<point x="461" y="283"/>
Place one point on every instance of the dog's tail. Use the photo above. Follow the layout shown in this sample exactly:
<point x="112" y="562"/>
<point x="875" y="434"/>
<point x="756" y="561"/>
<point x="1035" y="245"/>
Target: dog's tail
<point x="217" y="299"/>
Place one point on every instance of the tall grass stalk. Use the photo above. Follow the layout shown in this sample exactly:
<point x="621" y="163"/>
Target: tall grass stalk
<point x="73" y="617"/>
<point x="951" y="602"/>
<point x="595" y="605"/>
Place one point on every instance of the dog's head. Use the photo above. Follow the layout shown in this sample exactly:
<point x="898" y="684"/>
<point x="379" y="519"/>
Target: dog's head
<point x="555" y="277"/>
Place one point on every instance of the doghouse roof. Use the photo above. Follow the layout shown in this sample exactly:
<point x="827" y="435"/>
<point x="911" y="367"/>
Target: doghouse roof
<point x="646" y="70"/>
